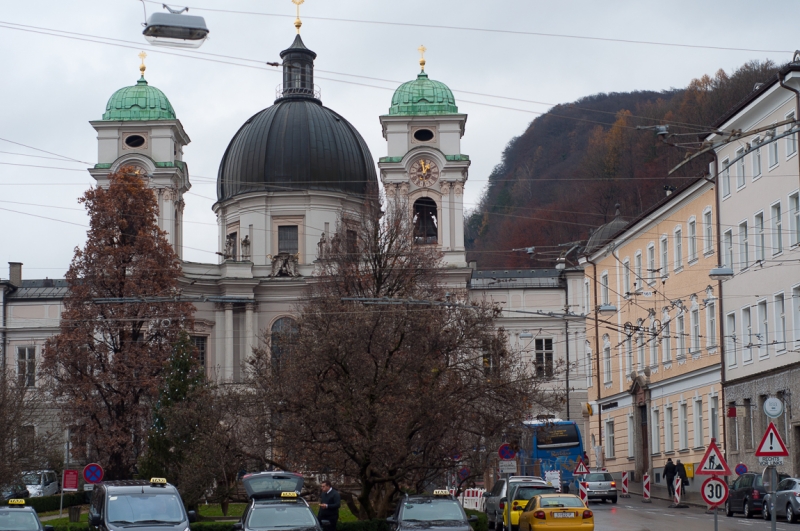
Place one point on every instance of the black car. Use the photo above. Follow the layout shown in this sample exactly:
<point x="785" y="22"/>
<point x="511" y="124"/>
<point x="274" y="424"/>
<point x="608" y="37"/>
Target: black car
<point x="145" y="505"/>
<point x="439" y="511"/>
<point x="15" y="490"/>
<point x="275" y="504"/>
<point x="746" y="495"/>
<point x="17" y="517"/>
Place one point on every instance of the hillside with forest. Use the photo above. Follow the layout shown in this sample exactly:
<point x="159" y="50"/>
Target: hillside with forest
<point x="567" y="172"/>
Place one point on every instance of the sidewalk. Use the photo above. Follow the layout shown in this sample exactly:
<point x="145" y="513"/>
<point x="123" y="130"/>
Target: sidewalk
<point x="658" y="492"/>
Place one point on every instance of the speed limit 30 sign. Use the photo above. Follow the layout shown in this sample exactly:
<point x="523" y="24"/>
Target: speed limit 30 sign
<point x="714" y="492"/>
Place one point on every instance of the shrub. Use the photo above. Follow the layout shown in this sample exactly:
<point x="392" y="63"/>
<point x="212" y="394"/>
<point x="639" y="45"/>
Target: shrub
<point x="44" y="504"/>
<point x="483" y="522"/>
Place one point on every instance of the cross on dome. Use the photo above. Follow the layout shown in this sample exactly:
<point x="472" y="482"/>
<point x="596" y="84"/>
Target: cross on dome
<point x="142" y="68"/>
<point x="297" y="21"/>
<point x="421" y="51"/>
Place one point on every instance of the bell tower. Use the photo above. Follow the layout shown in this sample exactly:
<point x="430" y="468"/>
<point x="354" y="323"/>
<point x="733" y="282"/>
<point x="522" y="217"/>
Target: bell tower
<point x="424" y="165"/>
<point x="140" y="129"/>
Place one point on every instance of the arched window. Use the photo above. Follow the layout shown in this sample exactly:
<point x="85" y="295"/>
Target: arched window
<point x="282" y="339"/>
<point x="426" y="221"/>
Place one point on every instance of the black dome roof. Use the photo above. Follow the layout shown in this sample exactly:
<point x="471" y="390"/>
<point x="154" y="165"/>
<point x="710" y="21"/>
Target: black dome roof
<point x="297" y="144"/>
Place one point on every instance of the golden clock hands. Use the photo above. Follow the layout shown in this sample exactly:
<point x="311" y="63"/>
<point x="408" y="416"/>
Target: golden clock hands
<point x="425" y="167"/>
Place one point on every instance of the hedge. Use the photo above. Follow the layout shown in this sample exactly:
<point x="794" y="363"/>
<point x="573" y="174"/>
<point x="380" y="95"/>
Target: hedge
<point x="43" y="504"/>
<point x="483" y="521"/>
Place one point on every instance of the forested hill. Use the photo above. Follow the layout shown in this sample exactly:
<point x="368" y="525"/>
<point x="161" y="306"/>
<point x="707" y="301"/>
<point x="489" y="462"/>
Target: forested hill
<point x="564" y="175"/>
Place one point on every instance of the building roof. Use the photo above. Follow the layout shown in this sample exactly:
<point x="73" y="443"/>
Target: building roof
<point x="423" y="96"/>
<point x="41" y="289"/>
<point x="606" y="232"/>
<point x="141" y="102"/>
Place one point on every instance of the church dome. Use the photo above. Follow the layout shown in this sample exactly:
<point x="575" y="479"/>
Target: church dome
<point x="423" y="96"/>
<point x="296" y="144"/>
<point x="139" y="102"/>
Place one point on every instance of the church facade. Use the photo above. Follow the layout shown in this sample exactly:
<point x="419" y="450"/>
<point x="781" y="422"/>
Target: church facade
<point x="290" y="174"/>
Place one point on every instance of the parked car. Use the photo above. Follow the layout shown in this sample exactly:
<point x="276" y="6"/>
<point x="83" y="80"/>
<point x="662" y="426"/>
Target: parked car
<point x="785" y="501"/>
<point x="495" y="500"/>
<point x="601" y="486"/>
<point x="41" y="482"/>
<point x="15" y="490"/>
<point x="565" y="512"/>
<point x="746" y="495"/>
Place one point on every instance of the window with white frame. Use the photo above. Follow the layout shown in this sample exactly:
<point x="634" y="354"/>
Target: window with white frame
<point x="780" y="322"/>
<point x="631" y="437"/>
<point x="763" y="329"/>
<point x="772" y="151"/>
<point x="698" y="423"/>
<point x="26" y="366"/>
<point x="747" y="335"/>
<point x="629" y="354"/>
<point x="653" y="339"/>
<point x="626" y="278"/>
<point x="711" y="325"/>
<point x="740" y="177"/>
<point x="638" y="270"/>
<point x="669" y="430"/>
<point x="606" y="362"/>
<point x="664" y="257"/>
<point x="681" y="332"/>
<point x="666" y="341"/>
<point x="694" y="317"/>
<point x="796" y="314"/>
<point x="794" y="219"/>
<point x="756" y="158"/>
<point x="713" y="417"/>
<point x="610" y="439"/>
<point x="656" y="431"/>
<point x="678" y="236"/>
<point x="589" y="364"/>
<point x="727" y="242"/>
<point x="760" y="237"/>
<point x="730" y="338"/>
<point x="726" y="179"/>
<point x="777" y="229"/>
<point x="744" y="248"/>
<point x="692" y="239"/>
<point x="604" y="288"/>
<point x="683" y="426"/>
<point x="544" y="357"/>
<point x="708" y="232"/>
<point x="791" y="140"/>
<point x="651" y="262"/>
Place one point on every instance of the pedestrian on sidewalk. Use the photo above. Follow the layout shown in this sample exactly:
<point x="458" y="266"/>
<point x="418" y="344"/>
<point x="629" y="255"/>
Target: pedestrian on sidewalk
<point x="329" y="503"/>
<point x="670" y="471"/>
<point x="682" y="474"/>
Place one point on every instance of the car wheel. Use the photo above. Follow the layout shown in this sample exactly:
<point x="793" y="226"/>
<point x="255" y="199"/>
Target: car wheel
<point x="746" y="509"/>
<point x="791" y="517"/>
<point x="614" y="499"/>
<point x="728" y="511"/>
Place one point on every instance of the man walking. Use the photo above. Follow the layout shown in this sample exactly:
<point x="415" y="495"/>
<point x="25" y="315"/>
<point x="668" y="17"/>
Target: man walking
<point x="681" y="470"/>
<point x="669" y="475"/>
<point x="329" y="503"/>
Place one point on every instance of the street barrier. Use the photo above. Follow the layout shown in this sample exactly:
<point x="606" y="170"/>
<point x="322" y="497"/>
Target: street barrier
<point x="625" y="479"/>
<point x="646" y="489"/>
<point x="678" y="486"/>
<point x="584" y="495"/>
<point x="471" y="498"/>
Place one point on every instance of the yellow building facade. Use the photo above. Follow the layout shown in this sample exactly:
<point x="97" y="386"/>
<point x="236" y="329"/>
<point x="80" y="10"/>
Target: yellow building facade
<point x="653" y="332"/>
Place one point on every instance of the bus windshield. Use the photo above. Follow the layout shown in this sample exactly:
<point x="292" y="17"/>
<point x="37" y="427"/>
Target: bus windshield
<point x="557" y="436"/>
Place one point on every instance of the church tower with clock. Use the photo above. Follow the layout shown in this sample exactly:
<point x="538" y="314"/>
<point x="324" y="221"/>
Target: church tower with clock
<point x="424" y="165"/>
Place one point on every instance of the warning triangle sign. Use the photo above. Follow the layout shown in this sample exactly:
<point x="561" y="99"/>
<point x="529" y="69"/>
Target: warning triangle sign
<point x="712" y="462"/>
<point x="772" y="444"/>
<point x="580" y="468"/>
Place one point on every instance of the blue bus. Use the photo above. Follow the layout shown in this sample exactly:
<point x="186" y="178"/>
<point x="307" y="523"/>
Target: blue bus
<point x="555" y="444"/>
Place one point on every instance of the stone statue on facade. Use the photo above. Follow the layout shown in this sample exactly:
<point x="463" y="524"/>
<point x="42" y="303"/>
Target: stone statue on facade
<point x="285" y="265"/>
<point x="246" y="248"/>
<point x="322" y="246"/>
<point x="230" y="247"/>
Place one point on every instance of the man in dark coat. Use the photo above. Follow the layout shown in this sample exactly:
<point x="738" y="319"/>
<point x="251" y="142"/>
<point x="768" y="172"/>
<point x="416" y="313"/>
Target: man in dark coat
<point x="670" y="471"/>
<point x="681" y="469"/>
<point x="329" y="503"/>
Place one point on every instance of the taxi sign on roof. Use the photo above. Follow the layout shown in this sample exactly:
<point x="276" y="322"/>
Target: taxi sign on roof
<point x="288" y="495"/>
<point x="16" y="501"/>
<point x="772" y="444"/>
<point x="158" y="481"/>
<point x="441" y="492"/>
<point x="712" y="462"/>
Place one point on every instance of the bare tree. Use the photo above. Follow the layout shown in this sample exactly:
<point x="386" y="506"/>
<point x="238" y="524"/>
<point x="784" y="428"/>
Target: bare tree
<point x="383" y="395"/>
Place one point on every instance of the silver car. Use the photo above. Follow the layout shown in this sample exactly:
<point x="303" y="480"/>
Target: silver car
<point x="601" y="486"/>
<point x="787" y="501"/>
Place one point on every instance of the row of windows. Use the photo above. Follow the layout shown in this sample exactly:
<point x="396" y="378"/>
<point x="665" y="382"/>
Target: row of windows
<point x="634" y="278"/>
<point x="740" y="160"/>
<point x="761" y="329"/>
<point x="673" y="425"/>
<point x="751" y="239"/>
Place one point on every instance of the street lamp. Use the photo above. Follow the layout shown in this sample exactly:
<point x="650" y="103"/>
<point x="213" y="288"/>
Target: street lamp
<point x="607" y="309"/>
<point x="175" y="29"/>
<point x="721" y="273"/>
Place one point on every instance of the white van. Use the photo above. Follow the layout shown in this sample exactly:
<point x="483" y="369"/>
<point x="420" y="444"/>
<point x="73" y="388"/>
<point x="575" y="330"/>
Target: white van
<point x="41" y="482"/>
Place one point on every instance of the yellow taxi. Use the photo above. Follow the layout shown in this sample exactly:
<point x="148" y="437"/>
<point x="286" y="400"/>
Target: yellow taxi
<point x="563" y="511"/>
<point x="521" y="495"/>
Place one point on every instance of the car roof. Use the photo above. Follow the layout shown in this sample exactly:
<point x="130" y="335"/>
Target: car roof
<point x="132" y="486"/>
<point x="279" y="501"/>
<point x="19" y="508"/>
<point x="558" y="495"/>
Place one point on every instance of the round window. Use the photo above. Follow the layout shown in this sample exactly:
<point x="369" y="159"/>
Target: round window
<point x="134" y="141"/>
<point x="423" y="135"/>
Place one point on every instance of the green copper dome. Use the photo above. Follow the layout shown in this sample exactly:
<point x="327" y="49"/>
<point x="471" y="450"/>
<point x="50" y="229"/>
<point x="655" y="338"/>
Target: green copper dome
<point x="140" y="102"/>
<point x="423" y="96"/>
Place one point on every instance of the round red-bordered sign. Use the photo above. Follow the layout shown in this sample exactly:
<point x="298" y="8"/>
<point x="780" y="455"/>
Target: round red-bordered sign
<point x="714" y="491"/>
<point x="93" y="473"/>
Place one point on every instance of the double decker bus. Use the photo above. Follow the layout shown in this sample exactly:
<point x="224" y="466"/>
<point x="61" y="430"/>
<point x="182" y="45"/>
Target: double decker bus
<point x="551" y="444"/>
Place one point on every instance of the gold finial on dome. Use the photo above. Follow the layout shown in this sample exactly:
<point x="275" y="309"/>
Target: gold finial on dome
<point x="142" y="68"/>
<point x="422" y="51"/>
<point x="297" y="21"/>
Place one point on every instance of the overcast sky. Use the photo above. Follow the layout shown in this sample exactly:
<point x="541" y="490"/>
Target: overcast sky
<point x="53" y="86"/>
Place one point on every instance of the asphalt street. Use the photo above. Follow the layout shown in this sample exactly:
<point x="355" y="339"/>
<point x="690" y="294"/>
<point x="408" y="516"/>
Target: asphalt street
<point x="630" y="514"/>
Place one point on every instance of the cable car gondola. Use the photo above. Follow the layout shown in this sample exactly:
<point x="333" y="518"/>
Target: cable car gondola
<point x="176" y="29"/>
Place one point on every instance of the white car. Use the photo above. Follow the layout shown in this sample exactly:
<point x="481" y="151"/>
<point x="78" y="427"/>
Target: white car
<point x="41" y="482"/>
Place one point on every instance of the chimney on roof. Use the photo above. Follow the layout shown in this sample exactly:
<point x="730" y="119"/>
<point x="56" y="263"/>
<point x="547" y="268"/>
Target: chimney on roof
<point x="15" y="273"/>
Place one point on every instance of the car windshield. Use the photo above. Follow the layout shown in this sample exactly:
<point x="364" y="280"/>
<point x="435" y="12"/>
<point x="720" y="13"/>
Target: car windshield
<point x="140" y="508"/>
<point x="16" y="520"/>
<point x="32" y="478"/>
<point x="599" y="476"/>
<point x="281" y="516"/>
<point x="431" y="510"/>
<point x="526" y="493"/>
<point x="561" y="501"/>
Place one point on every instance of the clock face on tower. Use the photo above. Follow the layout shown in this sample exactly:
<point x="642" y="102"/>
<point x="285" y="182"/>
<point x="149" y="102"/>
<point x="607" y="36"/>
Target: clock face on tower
<point x="424" y="172"/>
